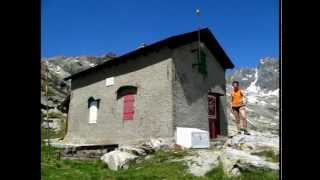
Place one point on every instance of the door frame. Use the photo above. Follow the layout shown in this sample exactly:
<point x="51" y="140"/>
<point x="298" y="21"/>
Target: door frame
<point x="211" y="121"/>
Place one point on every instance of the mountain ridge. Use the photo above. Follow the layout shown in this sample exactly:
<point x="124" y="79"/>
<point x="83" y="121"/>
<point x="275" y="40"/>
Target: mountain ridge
<point x="261" y="84"/>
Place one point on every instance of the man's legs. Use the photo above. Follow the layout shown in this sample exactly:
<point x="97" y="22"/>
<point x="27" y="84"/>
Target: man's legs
<point x="237" y="118"/>
<point x="243" y="116"/>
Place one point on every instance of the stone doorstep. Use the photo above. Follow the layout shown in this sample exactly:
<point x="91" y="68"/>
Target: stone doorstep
<point x="219" y="138"/>
<point x="86" y="152"/>
<point x="218" y="141"/>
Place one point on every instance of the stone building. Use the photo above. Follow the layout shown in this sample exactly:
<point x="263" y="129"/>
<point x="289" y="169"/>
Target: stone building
<point x="150" y="91"/>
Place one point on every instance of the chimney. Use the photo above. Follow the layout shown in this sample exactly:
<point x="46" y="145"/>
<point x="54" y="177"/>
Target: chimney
<point x="142" y="45"/>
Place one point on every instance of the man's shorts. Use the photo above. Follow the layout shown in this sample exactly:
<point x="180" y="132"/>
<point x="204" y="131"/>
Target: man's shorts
<point x="237" y="109"/>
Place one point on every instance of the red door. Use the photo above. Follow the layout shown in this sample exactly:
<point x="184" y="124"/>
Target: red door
<point x="213" y="116"/>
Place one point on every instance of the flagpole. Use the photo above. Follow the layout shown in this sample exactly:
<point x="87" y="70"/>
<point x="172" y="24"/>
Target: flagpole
<point x="47" y="108"/>
<point x="199" y="27"/>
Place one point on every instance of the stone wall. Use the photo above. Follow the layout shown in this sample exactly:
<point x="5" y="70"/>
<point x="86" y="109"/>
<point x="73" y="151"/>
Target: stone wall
<point x="191" y="89"/>
<point x="151" y="74"/>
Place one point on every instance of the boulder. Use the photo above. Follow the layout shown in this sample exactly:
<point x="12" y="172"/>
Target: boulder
<point x="54" y="123"/>
<point x="45" y="103"/>
<point x="133" y="150"/>
<point x="202" y="162"/>
<point x="117" y="159"/>
<point x="255" y="142"/>
<point x="153" y="145"/>
<point x="235" y="161"/>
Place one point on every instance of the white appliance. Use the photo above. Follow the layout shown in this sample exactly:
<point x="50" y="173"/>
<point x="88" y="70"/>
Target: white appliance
<point x="192" y="137"/>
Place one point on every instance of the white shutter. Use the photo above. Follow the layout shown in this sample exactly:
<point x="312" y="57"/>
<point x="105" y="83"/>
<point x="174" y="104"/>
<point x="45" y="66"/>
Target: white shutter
<point x="93" y="112"/>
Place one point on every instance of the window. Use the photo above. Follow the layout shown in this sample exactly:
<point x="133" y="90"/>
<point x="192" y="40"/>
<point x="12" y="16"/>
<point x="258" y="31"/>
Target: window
<point x="128" y="94"/>
<point x="93" y="105"/>
<point x="201" y="61"/>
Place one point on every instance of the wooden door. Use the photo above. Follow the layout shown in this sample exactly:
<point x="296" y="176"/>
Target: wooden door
<point x="213" y="115"/>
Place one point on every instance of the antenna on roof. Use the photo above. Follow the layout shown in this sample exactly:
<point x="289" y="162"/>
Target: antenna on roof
<point x="142" y="45"/>
<point x="199" y="27"/>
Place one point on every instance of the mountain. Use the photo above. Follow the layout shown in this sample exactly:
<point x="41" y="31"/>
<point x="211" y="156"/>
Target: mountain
<point x="55" y="69"/>
<point x="261" y="86"/>
<point x="60" y="67"/>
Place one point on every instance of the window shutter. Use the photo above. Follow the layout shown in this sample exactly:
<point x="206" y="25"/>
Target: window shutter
<point x="203" y="63"/>
<point x="93" y="112"/>
<point x="128" y="107"/>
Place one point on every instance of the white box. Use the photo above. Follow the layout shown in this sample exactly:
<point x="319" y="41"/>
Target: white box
<point x="110" y="81"/>
<point x="192" y="137"/>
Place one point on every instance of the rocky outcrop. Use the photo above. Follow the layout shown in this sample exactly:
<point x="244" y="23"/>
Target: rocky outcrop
<point x="268" y="73"/>
<point x="234" y="161"/>
<point x="202" y="161"/>
<point x="119" y="158"/>
<point x="53" y="71"/>
<point x="55" y="121"/>
<point x="236" y="154"/>
<point x="255" y="142"/>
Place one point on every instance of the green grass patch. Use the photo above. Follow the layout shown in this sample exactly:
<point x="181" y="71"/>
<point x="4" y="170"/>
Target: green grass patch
<point x="53" y="134"/>
<point x="156" y="167"/>
<point x="259" y="174"/>
<point x="269" y="155"/>
<point x="219" y="174"/>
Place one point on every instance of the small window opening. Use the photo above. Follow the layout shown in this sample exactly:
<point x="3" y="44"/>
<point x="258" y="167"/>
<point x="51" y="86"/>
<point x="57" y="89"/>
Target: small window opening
<point x="93" y="105"/>
<point x="201" y="61"/>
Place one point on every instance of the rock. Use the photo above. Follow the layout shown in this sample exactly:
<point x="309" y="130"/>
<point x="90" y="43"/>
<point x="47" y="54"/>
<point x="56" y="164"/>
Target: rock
<point x="148" y="157"/>
<point x="58" y="143"/>
<point x="218" y="143"/>
<point x="202" y="162"/>
<point x="117" y="159"/>
<point x="55" y="111"/>
<point x="45" y="125"/>
<point x="255" y="142"/>
<point x="153" y="145"/>
<point x="46" y="103"/>
<point x="235" y="172"/>
<point x="177" y="147"/>
<point x="54" y="123"/>
<point x="261" y="87"/>
<point x="133" y="150"/>
<point x="233" y="158"/>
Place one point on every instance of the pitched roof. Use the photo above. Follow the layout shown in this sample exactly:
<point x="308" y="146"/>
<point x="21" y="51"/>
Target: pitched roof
<point x="171" y="42"/>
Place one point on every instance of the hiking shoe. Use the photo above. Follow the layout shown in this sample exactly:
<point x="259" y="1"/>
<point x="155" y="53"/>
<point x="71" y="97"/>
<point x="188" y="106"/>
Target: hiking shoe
<point x="246" y="132"/>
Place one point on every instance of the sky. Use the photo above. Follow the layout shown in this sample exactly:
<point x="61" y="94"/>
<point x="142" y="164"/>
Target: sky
<point x="247" y="30"/>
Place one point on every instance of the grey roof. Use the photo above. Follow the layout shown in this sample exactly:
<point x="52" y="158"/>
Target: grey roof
<point x="171" y="42"/>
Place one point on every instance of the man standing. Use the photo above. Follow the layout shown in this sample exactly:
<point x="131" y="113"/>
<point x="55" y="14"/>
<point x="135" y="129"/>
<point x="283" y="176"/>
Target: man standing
<point x="238" y="108"/>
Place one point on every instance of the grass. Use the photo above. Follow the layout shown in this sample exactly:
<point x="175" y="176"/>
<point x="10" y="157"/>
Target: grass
<point x="52" y="134"/>
<point x="269" y="155"/>
<point x="218" y="173"/>
<point x="157" y="167"/>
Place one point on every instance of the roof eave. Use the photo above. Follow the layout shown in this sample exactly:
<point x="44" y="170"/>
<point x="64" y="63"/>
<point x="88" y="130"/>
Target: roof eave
<point x="215" y="47"/>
